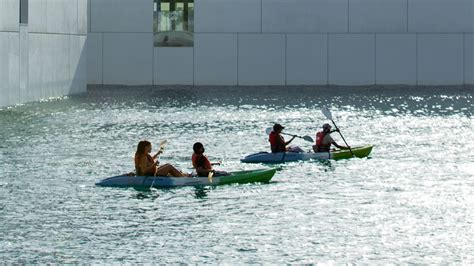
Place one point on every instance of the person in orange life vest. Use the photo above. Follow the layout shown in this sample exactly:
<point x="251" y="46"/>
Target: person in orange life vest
<point x="200" y="162"/>
<point x="277" y="142"/>
<point x="324" y="140"/>
<point x="146" y="165"/>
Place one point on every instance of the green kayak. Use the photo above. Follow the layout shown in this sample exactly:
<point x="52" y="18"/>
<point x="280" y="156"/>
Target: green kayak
<point x="359" y="152"/>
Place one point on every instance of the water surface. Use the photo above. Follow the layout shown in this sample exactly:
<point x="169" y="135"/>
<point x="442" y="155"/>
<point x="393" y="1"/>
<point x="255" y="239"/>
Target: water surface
<point x="410" y="202"/>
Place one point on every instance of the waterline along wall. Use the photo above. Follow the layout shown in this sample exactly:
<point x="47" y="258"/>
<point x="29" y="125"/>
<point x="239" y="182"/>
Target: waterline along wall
<point x="42" y="49"/>
<point x="287" y="42"/>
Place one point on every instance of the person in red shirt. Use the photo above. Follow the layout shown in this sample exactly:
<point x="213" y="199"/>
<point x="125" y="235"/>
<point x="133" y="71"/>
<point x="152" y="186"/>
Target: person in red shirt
<point x="200" y="162"/>
<point x="324" y="140"/>
<point x="147" y="165"/>
<point x="277" y="142"/>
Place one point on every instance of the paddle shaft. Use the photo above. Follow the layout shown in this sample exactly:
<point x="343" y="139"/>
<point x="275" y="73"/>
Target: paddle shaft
<point x="342" y="137"/>
<point x="160" y="150"/>
<point x="291" y="135"/>
<point x="307" y="138"/>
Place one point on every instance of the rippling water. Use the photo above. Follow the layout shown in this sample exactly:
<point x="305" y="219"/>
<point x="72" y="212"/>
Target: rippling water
<point x="412" y="201"/>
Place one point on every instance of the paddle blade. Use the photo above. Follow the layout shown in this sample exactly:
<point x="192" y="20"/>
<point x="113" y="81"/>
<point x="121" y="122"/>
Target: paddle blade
<point x="162" y="145"/>
<point x="326" y="113"/>
<point x="209" y="176"/>
<point x="308" y="138"/>
<point x="268" y="130"/>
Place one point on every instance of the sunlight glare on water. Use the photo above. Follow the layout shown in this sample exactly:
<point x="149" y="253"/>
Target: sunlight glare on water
<point x="410" y="202"/>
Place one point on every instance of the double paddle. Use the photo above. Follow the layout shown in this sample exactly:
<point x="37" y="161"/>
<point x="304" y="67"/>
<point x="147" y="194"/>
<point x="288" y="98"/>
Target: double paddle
<point x="161" y="148"/>
<point x="209" y="176"/>
<point x="307" y="138"/>
<point x="328" y="115"/>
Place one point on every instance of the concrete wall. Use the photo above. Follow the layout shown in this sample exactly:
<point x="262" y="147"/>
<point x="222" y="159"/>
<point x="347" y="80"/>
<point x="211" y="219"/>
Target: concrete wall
<point x="120" y="42"/>
<point x="288" y="42"/>
<point x="45" y="57"/>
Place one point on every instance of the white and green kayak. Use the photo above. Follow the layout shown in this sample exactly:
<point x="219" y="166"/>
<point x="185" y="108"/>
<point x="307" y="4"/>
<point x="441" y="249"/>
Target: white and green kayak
<point x="282" y="157"/>
<point x="240" y="177"/>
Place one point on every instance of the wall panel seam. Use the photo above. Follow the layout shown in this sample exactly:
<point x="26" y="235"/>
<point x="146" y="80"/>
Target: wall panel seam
<point x="348" y="16"/>
<point x="416" y="49"/>
<point x="375" y="59"/>
<point x="261" y="16"/>
<point x="69" y="57"/>
<point x="407" y="17"/>
<point x="251" y="32"/>
<point x="153" y="63"/>
<point x="19" y="66"/>
<point x="139" y="32"/>
<point x="464" y="58"/>
<point x="238" y="37"/>
<point x="300" y="32"/>
<point x="89" y="8"/>
<point x="286" y="59"/>
<point x="102" y="63"/>
<point x="327" y="60"/>
<point x="56" y="33"/>
<point x="46" y="16"/>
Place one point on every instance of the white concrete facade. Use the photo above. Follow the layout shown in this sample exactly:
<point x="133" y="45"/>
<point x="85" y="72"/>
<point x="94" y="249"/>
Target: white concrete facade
<point x="236" y="42"/>
<point x="45" y="57"/>
<point x="289" y="42"/>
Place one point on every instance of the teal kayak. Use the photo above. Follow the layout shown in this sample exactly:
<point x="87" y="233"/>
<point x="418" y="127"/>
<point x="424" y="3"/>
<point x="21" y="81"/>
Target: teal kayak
<point x="239" y="177"/>
<point x="282" y="157"/>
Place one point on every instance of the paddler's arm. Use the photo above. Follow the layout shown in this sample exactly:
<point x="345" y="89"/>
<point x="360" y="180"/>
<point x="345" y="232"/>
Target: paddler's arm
<point x="339" y="146"/>
<point x="288" y="142"/>
<point x="157" y="153"/>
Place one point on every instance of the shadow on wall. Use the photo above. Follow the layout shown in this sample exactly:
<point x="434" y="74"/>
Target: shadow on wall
<point x="79" y="76"/>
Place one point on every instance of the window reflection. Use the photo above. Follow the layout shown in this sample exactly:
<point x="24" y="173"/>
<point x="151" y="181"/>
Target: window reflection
<point x="173" y="23"/>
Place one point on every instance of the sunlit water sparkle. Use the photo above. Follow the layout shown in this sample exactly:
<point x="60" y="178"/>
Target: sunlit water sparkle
<point x="412" y="201"/>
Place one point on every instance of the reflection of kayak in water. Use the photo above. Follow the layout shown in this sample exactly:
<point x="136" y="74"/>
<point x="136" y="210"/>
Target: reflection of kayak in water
<point x="279" y="157"/>
<point x="240" y="177"/>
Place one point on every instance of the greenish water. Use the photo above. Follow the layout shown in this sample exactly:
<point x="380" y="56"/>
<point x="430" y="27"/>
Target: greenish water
<point x="412" y="201"/>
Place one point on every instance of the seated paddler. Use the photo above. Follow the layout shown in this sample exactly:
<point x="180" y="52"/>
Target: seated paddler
<point x="148" y="165"/>
<point x="277" y="142"/>
<point x="201" y="163"/>
<point x="324" y="140"/>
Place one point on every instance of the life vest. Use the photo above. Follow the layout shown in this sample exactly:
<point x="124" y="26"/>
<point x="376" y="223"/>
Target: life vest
<point x="319" y="142"/>
<point x="277" y="143"/>
<point x="200" y="160"/>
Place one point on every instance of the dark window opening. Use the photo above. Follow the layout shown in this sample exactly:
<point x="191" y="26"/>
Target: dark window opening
<point x="173" y="23"/>
<point x="24" y="11"/>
